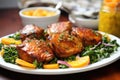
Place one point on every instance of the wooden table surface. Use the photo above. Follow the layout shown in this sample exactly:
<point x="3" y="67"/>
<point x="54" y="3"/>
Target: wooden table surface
<point x="10" y="22"/>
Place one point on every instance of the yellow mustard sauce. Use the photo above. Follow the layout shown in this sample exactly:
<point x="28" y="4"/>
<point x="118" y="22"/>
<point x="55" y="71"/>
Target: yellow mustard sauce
<point x="109" y="20"/>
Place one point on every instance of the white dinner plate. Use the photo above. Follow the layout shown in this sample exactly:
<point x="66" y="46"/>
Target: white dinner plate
<point x="115" y="56"/>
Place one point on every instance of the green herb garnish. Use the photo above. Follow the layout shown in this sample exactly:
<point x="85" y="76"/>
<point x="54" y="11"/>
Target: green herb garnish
<point x="54" y="60"/>
<point x="16" y="36"/>
<point x="38" y="64"/>
<point x="62" y="66"/>
<point x="61" y="36"/>
<point x="1" y="46"/>
<point x="101" y="50"/>
<point x="71" y="58"/>
<point x="10" y="54"/>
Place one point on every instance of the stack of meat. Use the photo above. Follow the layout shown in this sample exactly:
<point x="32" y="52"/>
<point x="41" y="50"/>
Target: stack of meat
<point x="58" y="40"/>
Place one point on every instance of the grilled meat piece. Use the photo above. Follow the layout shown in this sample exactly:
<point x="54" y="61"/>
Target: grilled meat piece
<point x="59" y="27"/>
<point x="88" y="36"/>
<point x="31" y="31"/>
<point x="64" y="44"/>
<point x="64" y="39"/>
<point x="32" y="49"/>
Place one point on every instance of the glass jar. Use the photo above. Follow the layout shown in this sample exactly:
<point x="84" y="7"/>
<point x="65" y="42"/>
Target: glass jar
<point x="109" y="17"/>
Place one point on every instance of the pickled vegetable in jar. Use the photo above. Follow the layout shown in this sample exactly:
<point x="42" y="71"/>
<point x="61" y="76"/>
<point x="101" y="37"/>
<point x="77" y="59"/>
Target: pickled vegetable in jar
<point x="109" y="17"/>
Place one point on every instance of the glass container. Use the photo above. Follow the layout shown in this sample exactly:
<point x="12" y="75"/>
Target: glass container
<point x="109" y="17"/>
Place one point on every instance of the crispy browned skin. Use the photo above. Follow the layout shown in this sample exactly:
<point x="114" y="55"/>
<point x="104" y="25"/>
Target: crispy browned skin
<point x="31" y="31"/>
<point x="88" y="36"/>
<point x="34" y="49"/>
<point x="65" y="44"/>
<point x="64" y="40"/>
<point x="59" y="27"/>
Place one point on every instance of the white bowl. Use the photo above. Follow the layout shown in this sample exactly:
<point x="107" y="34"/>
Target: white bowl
<point x="39" y="21"/>
<point x="81" y="22"/>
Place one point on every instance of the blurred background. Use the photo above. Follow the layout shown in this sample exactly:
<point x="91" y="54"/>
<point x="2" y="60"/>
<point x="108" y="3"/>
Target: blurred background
<point x="8" y="3"/>
<point x="9" y="10"/>
<point x="68" y="4"/>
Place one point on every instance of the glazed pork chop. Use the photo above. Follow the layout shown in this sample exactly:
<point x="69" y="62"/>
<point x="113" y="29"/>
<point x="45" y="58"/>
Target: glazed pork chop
<point x="64" y="40"/>
<point x="32" y="49"/>
<point x="88" y="36"/>
<point x="64" y="44"/>
<point x="59" y="27"/>
<point x="67" y="40"/>
<point x="31" y="31"/>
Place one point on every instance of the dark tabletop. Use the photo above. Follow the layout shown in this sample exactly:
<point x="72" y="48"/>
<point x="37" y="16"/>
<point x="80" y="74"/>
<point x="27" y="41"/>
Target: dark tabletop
<point x="10" y="22"/>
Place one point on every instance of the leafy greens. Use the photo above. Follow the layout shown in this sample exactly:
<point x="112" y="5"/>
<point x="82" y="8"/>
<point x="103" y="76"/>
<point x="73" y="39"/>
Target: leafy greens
<point x="100" y="51"/>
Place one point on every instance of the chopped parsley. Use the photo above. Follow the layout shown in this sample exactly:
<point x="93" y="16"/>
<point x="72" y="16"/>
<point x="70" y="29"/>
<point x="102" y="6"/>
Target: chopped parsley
<point x="10" y="54"/>
<point x="16" y="36"/>
<point x="65" y="36"/>
<point x="71" y="58"/>
<point x="61" y="36"/>
<point x="54" y="60"/>
<point x="62" y="66"/>
<point x="100" y="51"/>
<point x="39" y="65"/>
<point x="1" y="46"/>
